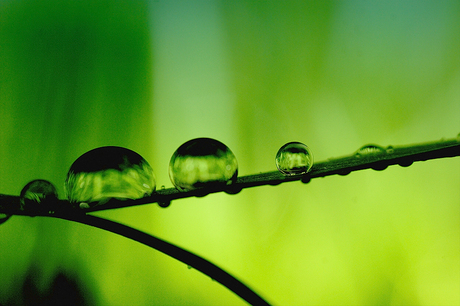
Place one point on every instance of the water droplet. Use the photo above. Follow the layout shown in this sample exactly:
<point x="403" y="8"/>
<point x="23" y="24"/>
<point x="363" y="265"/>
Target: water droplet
<point x="306" y="179"/>
<point x="458" y="137"/>
<point x="38" y="196"/>
<point x="294" y="158"/>
<point x="369" y="150"/>
<point x="379" y="166"/>
<point x="189" y="267"/>
<point x="202" y="162"/>
<point x="4" y="218"/>
<point x="390" y="149"/>
<point x="108" y="172"/>
<point x="406" y="162"/>
<point x="164" y="204"/>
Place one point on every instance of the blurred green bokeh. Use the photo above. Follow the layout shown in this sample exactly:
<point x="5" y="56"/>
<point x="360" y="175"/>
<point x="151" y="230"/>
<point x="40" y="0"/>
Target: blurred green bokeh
<point x="75" y="75"/>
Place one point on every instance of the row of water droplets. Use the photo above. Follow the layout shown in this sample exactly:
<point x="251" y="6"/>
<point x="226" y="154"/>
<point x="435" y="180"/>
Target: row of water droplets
<point x="116" y="172"/>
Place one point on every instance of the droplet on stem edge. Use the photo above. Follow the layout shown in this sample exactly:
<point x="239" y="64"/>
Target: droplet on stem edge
<point x="368" y="150"/>
<point x="38" y="196"/>
<point x="202" y="162"/>
<point x="108" y="172"/>
<point x="294" y="158"/>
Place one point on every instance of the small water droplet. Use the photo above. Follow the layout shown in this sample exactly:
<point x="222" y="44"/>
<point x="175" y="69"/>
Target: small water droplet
<point x="108" y="172"/>
<point x="369" y="149"/>
<point x="84" y="205"/>
<point x="164" y="204"/>
<point x="38" y="196"/>
<point x="390" y="149"/>
<point x="306" y="179"/>
<point x="294" y="158"/>
<point x="379" y="166"/>
<point x="406" y="162"/>
<point x="189" y="267"/>
<point x="458" y="137"/>
<point x="233" y="189"/>
<point x="202" y="162"/>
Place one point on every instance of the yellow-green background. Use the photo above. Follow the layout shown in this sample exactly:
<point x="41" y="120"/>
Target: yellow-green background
<point x="75" y="75"/>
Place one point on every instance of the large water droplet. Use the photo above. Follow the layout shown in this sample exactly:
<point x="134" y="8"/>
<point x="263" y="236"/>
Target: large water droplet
<point x="36" y="192"/>
<point x="202" y="162"/>
<point x="108" y="172"/>
<point x="369" y="149"/>
<point x="294" y="158"/>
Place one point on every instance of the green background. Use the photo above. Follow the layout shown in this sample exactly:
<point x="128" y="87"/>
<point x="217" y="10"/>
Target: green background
<point x="149" y="76"/>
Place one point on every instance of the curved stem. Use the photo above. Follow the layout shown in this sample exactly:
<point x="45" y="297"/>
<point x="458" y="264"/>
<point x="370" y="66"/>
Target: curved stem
<point x="176" y="252"/>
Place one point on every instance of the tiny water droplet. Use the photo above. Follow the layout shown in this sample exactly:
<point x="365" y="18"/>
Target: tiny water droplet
<point x="108" y="172"/>
<point x="294" y="158"/>
<point x="84" y="205"/>
<point x="390" y="149"/>
<point x="369" y="149"/>
<point x="406" y="162"/>
<point x="306" y="179"/>
<point x="202" y="162"/>
<point x="189" y="267"/>
<point x="36" y="193"/>
<point x="164" y="204"/>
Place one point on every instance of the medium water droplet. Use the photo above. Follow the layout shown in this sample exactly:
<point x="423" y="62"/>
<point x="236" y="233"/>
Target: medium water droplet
<point x="369" y="150"/>
<point x="37" y="193"/>
<point x="108" y="172"/>
<point x="202" y="162"/>
<point x="294" y="158"/>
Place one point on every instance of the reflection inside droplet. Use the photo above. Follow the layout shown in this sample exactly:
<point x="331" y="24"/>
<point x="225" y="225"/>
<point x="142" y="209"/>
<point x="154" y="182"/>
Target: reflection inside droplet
<point x="369" y="150"/>
<point x="36" y="192"/>
<point x="202" y="162"/>
<point x="294" y="158"/>
<point x="108" y="172"/>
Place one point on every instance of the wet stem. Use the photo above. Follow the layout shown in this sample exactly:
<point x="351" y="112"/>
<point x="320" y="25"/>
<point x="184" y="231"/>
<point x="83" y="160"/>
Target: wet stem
<point x="368" y="157"/>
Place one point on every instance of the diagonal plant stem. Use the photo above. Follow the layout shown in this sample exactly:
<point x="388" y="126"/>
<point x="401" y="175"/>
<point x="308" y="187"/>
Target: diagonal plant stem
<point x="170" y="249"/>
<point x="379" y="160"/>
<point x="397" y="155"/>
